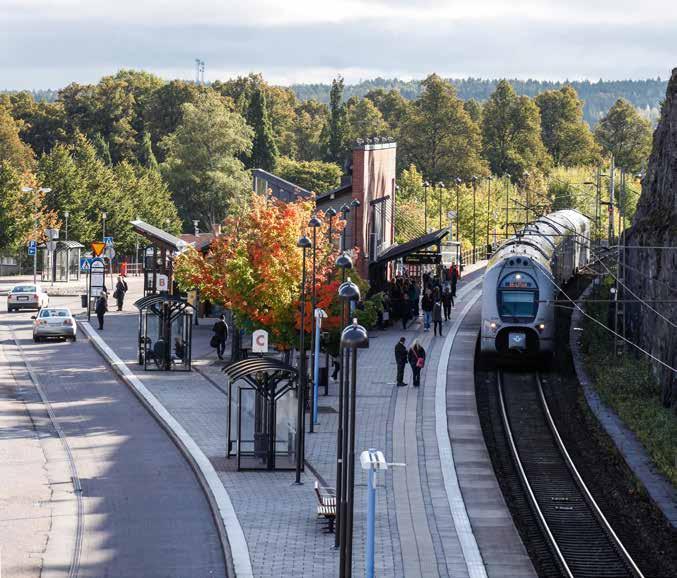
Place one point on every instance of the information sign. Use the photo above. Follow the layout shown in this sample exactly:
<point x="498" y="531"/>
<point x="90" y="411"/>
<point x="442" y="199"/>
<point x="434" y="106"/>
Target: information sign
<point x="51" y="246"/>
<point x="32" y="248"/>
<point x="162" y="282"/>
<point x="108" y="241"/>
<point x="85" y="264"/>
<point x="260" y="341"/>
<point x="97" y="274"/>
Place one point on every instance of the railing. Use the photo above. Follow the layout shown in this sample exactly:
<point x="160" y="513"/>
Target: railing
<point x="473" y="255"/>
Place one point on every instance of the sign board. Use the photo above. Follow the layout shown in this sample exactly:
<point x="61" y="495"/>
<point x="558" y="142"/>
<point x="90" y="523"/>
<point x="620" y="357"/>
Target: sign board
<point x="451" y="214"/>
<point x="162" y="282"/>
<point x="109" y="252"/>
<point x="96" y="291"/>
<point x="422" y="259"/>
<point x="52" y="234"/>
<point x="51" y="246"/>
<point x="260" y="341"/>
<point x="97" y="274"/>
<point x="97" y="248"/>
<point x="85" y="264"/>
<point x="32" y="248"/>
<point x="108" y="241"/>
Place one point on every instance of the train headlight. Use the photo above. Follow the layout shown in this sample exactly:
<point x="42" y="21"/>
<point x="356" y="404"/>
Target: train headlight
<point x="541" y="327"/>
<point x="491" y="327"/>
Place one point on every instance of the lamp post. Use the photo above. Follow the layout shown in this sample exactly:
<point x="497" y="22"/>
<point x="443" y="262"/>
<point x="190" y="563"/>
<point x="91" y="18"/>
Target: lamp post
<point x="303" y="243"/>
<point x="489" y="179"/>
<point x="330" y="213"/>
<point x="440" y="187"/>
<point x="66" y="214"/>
<point x="314" y="223"/>
<point x="353" y="337"/>
<point x="345" y="209"/>
<point x="474" y="217"/>
<point x="343" y="262"/>
<point x="104" y="215"/>
<point x="426" y="184"/>
<point x="35" y="254"/>
<point x="458" y="182"/>
<point x="353" y="205"/>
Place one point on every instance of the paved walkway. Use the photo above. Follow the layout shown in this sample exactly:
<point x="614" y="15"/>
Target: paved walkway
<point x="416" y="528"/>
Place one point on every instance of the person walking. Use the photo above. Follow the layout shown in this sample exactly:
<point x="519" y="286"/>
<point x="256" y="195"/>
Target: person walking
<point x="101" y="307"/>
<point x="455" y="276"/>
<point x="427" y="306"/>
<point x="400" y="361"/>
<point x="121" y="289"/>
<point x="447" y="302"/>
<point x="437" y="317"/>
<point x="417" y="361"/>
<point x="220" y="336"/>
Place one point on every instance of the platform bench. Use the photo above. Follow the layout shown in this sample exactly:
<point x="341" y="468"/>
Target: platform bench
<point x="326" y="507"/>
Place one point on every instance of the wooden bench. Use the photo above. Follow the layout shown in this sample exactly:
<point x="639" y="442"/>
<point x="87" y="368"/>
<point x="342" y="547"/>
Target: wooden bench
<point x="326" y="507"/>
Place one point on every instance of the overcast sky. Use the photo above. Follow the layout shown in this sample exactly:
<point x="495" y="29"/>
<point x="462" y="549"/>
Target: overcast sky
<point x="50" y="43"/>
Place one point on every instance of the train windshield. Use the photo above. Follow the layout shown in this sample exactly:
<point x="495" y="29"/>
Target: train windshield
<point x="517" y="304"/>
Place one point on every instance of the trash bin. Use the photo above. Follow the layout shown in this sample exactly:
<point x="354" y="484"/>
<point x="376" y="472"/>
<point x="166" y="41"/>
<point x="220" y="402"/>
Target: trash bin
<point x="83" y="299"/>
<point x="324" y="379"/>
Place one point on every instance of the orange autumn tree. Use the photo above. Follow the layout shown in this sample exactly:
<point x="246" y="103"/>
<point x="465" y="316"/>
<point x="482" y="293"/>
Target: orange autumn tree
<point x="254" y="267"/>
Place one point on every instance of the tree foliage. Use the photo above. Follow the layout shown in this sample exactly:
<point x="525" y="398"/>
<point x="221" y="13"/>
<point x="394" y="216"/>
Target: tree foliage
<point x="316" y="176"/>
<point x="13" y="150"/>
<point x="338" y="126"/>
<point x="264" y="150"/>
<point x="364" y="120"/>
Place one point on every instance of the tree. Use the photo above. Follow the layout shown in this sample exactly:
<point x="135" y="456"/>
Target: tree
<point x="264" y="150"/>
<point x="309" y="127"/>
<point x="474" y="109"/>
<point x="364" y="120"/>
<point x="314" y="176"/>
<point x="13" y="150"/>
<point x="565" y="135"/>
<point x="392" y="105"/>
<point x="511" y="133"/>
<point x="337" y="129"/>
<point x="202" y="166"/>
<point x="439" y="136"/>
<point x="42" y="124"/>
<point x="102" y="148"/>
<point x="623" y="133"/>
<point x="145" y="152"/>
<point x="15" y="220"/>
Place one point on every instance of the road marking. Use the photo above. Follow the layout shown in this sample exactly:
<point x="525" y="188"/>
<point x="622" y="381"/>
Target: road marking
<point x="234" y="540"/>
<point x="471" y="551"/>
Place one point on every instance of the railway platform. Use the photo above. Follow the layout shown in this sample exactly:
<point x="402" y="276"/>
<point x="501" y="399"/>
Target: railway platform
<point x="441" y="515"/>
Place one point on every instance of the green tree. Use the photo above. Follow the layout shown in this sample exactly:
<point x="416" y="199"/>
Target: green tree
<point x="623" y="133"/>
<point x="511" y="131"/>
<point x="316" y="176"/>
<point x="337" y="130"/>
<point x="439" y="136"/>
<point x="393" y="107"/>
<point x="145" y="152"/>
<point x="264" y="150"/>
<point x="364" y="120"/>
<point x="15" y="221"/>
<point x="565" y="135"/>
<point x="474" y="108"/>
<point x="309" y="127"/>
<point x="102" y="148"/>
<point x="203" y="166"/>
<point x="43" y="124"/>
<point x="12" y="149"/>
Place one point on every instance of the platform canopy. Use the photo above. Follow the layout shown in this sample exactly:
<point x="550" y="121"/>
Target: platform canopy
<point x="415" y="246"/>
<point x="158" y="237"/>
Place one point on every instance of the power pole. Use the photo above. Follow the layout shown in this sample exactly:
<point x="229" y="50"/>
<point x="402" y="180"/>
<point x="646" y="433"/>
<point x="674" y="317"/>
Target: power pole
<point x="612" y="178"/>
<point x="619" y="317"/>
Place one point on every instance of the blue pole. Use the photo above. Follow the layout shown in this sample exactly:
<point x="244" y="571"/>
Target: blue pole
<point x="371" y="522"/>
<point x="316" y="368"/>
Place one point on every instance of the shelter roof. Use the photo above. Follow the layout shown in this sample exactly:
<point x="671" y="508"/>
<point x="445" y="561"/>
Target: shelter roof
<point x="157" y="299"/>
<point x="158" y="236"/>
<point x="253" y="365"/>
<point x="417" y="244"/>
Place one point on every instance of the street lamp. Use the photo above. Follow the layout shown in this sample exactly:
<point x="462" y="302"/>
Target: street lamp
<point x="426" y="184"/>
<point x="35" y="253"/>
<point x="489" y="179"/>
<point x="459" y="182"/>
<point x="345" y="209"/>
<point x="196" y="225"/>
<point x="330" y="213"/>
<point x="303" y="243"/>
<point x="474" y="216"/>
<point x="353" y="205"/>
<point x="440" y="187"/>
<point x="66" y="214"/>
<point x="104" y="215"/>
<point x="525" y="176"/>
<point x="353" y="337"/>
<point x="314" y="223"/>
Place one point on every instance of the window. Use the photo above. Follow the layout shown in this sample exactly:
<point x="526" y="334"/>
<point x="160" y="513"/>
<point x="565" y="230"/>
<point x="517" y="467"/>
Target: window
<point x="45" y="313"/>
<point x="24" y="289"/>
<point x="517" y="304"/>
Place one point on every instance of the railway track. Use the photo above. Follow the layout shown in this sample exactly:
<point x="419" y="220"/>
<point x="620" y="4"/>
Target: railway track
<point x="580" y="539"/>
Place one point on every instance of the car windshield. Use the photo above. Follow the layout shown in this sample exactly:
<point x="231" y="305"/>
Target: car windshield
<point x="518" y="303"/>
<point x="55" y="313"/>
<point x="24" y="289"/>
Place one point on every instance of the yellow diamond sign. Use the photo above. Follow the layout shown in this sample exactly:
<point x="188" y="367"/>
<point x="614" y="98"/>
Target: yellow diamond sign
<point x="98" y="247"/>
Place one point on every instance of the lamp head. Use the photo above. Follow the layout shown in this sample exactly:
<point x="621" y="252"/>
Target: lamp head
<point x="355" y="203"/>
<point x="330" y="212"/>
<point x="348" y="291"/>
<point x="344" y="261"/>
<point x="304" y="243"/>
<point x="426" y="184"/>
<point x="355" y="336"/>
<point x="459" y="180"/>
<point x="314" y="222"/>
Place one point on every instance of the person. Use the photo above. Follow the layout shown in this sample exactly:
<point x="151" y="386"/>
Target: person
<point x="220" y="330"/>
<point x="417" y="361"/>
<point x="101" y="307"/>
<point x="179" y="348"/>
<point x="447" y="302"/>
<point x="405" y="310"/>
<point x="401" y="361"/>
<point x="437" y="317"/>
<point x="455" y="275"/>
<point x="120" y="289"/>
<point x="336" y="366"/>
<point x="427" y="306"/>
<point x="123" y="268"/>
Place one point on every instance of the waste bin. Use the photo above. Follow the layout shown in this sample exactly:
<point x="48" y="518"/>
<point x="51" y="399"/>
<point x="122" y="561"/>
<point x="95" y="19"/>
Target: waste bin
<point x="83" y="299"/>
<point x="324" y="379"/>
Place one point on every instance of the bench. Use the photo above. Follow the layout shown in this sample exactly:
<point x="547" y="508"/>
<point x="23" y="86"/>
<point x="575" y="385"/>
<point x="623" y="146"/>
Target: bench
<point x="326" y="507"/>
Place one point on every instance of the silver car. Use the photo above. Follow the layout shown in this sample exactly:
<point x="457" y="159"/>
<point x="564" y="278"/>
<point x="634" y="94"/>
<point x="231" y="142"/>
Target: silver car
<point x="27" y="296"/>
<point x="54" y="322"/>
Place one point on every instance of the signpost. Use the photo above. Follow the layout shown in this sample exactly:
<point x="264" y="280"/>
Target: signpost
<point x="97" y="282"/>
<point x="161" y="283"/>
<point x="97" y="248"/>
<point x="33" y="252"/>
<point x="260" y="341"/>
<point x="108" y="241"/>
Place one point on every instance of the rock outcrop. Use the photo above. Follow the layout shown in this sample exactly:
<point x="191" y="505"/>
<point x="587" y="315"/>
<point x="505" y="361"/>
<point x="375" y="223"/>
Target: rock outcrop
<point x="652" y="270"/>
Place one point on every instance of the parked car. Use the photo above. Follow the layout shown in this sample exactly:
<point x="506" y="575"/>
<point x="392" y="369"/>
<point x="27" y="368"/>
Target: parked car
<point x="54" y="322"/>
<point x="27" y="296"/>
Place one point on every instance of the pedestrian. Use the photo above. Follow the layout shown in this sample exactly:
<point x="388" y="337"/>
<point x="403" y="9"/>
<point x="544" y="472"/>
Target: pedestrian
<point x="455" y="275"/>
<point x="101" y="307"/>
<point x="417" y="361"/>
<point x="336" y="367"/>
<point x="123" y="268"/>
<point x="220" y="336"/>
<point x="447" y="302"/>
<point x="120" y="289"/>
<point x="437" y="317"/>
<point x="405" y="311"/>
<point x="427" y="306"/>
<point x="401" y="361"/>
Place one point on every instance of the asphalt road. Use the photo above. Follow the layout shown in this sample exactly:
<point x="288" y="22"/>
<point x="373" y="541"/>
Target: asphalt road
<point x="143" y="511"/>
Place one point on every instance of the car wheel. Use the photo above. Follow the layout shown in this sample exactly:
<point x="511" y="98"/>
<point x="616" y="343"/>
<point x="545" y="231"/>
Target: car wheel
<point x="74" y="339"/>
<point x="36" y="339"/>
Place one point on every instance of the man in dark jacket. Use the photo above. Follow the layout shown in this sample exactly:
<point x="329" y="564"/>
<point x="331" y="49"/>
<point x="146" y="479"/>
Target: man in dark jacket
<point x="427" y="306"/>
<point x="437" y="317"/>
<point x="447" y="302"/>
<point x="401" y="361"/>
<point x="220" y="330"/>
<point x="119" y="294"/>
<point x="455" y="275"/>
<point x="101" y="307"/>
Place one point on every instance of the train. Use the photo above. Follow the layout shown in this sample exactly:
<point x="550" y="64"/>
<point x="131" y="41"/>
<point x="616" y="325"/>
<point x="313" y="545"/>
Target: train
<point x="521" y="283"/>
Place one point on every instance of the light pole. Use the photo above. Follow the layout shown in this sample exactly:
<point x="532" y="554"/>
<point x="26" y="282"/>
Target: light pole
<point x="35" y="254"/>
<point x="353" y="205"/>
<point x="474" y="217"/>
<point x="345" y="209"/>
<point x="489" y="179"/>
<point x="303" y="243"/>
<point x="314" y="223"/>
<point x="66" y="214"/>
<point x="330" y="213"/>
<point x="343" y="262"/>
<point x="104" y="215"/>
<point x="353" y="337"/>
<point x="426" y="184"/>
<point x="440" y="187"/>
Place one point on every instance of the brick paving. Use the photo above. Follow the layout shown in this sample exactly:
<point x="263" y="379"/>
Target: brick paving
<point x="415" y="529"/>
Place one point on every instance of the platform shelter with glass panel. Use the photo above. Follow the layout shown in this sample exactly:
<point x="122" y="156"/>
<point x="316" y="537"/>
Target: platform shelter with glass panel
<point x="165" y="332"/>
<point x="262" y="414"/>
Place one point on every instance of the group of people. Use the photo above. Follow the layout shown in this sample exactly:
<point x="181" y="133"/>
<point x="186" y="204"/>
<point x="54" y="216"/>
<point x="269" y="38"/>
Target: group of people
<point x="415" y="356"/>
<point x="101" y="305"/>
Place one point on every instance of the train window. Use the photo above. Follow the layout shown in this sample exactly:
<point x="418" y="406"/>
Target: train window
<point x="517" y="304"/>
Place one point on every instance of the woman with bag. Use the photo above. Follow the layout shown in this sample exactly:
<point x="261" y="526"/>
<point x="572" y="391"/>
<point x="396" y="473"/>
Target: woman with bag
<point x="417" y="361"/>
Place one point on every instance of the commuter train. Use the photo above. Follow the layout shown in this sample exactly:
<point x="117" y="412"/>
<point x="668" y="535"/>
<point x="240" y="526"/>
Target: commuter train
<point x="521" y="280"/>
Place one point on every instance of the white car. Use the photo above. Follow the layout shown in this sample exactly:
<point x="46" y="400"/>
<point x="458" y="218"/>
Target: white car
<point x="54" y="322"/>
<point x="27" y="296"/>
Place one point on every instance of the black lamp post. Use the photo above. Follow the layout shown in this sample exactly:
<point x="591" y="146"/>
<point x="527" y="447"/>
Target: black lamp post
<point x="303" y="243"/>
<point x="345" y="209"/>
<point x="314" y="223"/>
<point x="353" y="337"/>
<point x="474" y="216"/>
<point x="440" y="188"/>
<point x="426" y="184"/>
<point x="353" y="205"/>
<point x="330" y="213"/>
<point x="343" y="262"/>
<point x="489" y="179"/>
<point x="459" y="182"/>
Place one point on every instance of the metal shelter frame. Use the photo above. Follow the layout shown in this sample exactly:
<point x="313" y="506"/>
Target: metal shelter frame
<point x="270" y="379"/>
<point x="164" y="245"/>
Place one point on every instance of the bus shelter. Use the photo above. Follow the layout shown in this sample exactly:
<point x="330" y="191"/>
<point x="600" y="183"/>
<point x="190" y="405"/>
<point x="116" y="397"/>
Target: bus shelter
<point x="262" y="414"/>
<point x="165" y="332"/>
<point x="62" y="264"/>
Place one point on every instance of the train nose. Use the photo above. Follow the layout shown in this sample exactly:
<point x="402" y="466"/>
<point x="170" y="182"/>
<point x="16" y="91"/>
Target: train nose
<point x="517" y="340"/>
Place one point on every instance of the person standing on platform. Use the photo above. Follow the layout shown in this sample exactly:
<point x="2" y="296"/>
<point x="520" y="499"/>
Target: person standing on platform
<point x="101" y="307"/>
<point x="427" y="306"/>
<point x="417" y="361"/>
<point x="447" y="302"/>
<point x="437" y="317"/>
<point x="455" y="275"/>
<point x="121" y="289"/>
<point x="220" y="337"/>
<point x="401" y="361"/>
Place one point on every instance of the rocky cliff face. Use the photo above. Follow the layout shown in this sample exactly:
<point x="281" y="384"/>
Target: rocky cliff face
<point x="652" y="272"/>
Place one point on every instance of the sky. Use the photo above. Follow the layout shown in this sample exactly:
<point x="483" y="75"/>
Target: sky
<point x="50" y="43"/>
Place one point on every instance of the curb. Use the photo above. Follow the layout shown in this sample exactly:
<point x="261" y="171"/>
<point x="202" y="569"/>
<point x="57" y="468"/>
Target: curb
<point x="231" y="535"/>
<point x="660" y="491"/>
